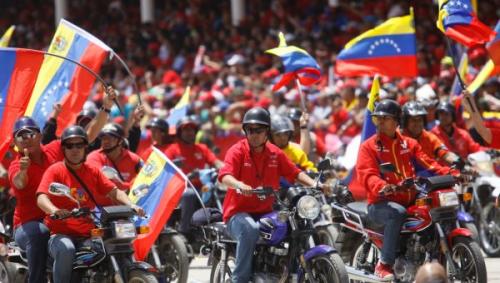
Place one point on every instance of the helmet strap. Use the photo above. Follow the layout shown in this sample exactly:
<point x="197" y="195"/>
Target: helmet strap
<point x="109" y="150"/>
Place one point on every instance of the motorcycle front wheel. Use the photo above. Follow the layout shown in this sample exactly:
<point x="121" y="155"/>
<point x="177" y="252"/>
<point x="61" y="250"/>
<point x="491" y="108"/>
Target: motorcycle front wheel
<point x="141" y="276"/>
<point x="327" y="268"/>
<point x="489" y="230"/>
<point x="468" y="261"/>
<point x="174" y="256"/>
<point x="216" y="274"/>
<point x="6" y="272"/>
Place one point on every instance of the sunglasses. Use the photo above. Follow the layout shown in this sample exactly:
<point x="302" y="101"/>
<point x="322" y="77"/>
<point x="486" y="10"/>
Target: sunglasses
<point x="25" y="136"/>
<point x="79" y="145"/>
<point x="258" y="130"/>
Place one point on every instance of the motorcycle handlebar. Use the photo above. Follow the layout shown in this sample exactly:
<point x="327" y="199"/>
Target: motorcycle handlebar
<point x="76" y="212"/>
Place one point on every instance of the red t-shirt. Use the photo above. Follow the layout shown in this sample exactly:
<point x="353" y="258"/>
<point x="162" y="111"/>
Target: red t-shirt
<point x="26" y="206"/>
<point x="461" y="142"/>
<point x="145" y="154"/>
<point x="495" y="138"/>
<point x="54" y="149"/>
<point x="256" y="170"/>
<point x="194" y="156"/>
<point x="128" y="164"/>
<point x="95" y="181"/>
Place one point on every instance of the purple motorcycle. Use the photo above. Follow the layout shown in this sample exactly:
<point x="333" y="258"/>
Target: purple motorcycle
<point x="287" y="250"/>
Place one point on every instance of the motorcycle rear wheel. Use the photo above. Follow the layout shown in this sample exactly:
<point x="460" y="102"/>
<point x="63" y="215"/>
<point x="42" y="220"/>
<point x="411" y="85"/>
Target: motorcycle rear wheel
<point x="327" y="268"/>
<point x="489" y="230"/>
<point x="141" y="276"/>
<point x="468" y="260"/>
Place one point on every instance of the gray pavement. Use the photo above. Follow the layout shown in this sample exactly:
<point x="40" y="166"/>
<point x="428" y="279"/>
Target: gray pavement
<point x="200" y="272"/>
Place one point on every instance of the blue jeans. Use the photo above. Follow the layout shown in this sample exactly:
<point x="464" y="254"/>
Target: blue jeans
<point x="189" y="204"/>
<point x="62" y="249"/>
<point x="245" y="230"/>
<point x="32" y="237"/>
<point x="391" y="215"/>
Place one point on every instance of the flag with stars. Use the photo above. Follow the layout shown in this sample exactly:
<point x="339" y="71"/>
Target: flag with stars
<point x="18" y="75"/>
<point x="388" y="49"/>
<point x="62" y="81"/>
<point x="458" y="21"/>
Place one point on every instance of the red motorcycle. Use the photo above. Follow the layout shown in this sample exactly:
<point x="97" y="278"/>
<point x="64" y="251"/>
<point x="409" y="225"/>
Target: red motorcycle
<point x="430" y="232"/>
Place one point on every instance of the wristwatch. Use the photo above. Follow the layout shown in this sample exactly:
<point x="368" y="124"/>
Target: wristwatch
<point x="105" y="110"/>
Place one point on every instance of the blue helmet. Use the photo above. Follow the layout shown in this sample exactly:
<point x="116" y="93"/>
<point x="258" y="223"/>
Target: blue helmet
<point x="25" y="123"/>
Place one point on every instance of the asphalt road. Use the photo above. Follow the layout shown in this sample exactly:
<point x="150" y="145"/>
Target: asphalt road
<point x="200" y="272"/>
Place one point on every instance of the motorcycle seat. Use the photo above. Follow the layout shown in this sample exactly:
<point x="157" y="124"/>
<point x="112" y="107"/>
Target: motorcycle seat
<point x="221" y="228"/>
<point x="361" y="208"/>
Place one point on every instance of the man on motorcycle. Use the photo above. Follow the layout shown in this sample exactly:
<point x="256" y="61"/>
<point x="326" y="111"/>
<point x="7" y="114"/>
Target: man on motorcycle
<point x="192" y="156"/>
<point x="386" y="206"/>
<point x="249" y="164"/>
<point x="456" y="139"/>
<point x="281" y="134"/>
<point x="413" y="120"/>
<point x="113" y="154"/>
<point x="25" y="173"/>
<point x="86" y="183"/>
<point x="159" y="134"/>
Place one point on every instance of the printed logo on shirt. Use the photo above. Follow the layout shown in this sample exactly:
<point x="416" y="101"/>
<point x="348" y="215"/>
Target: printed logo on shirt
<point x="247" y="164"/>
<point x="273" y="160"/>
<point x="79" y="194"/>
<point x="198" y="155"/>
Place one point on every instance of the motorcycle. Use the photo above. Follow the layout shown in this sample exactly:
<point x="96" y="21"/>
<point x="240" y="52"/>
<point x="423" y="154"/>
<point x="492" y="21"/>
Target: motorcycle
<point x="485" y="189"/>
<point x="287" y="248"/>
<point x="10" y="271"/>
<point x="430" y="232"/>
<point x="170" y="254"/>
<point x="108" y="255"/>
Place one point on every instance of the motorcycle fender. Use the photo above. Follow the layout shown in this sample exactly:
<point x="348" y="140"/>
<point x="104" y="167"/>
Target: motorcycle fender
<point x="321" y="223"/>
<point x="458" y="232"/>
<point x="318" y="250"/>
<point x="168" y="231"/>
<point x="464" y="217"/>
<point x="140" y="265"/>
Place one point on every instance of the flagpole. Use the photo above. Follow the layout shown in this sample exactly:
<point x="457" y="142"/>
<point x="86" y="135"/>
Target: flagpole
<point x="134" y="82"/>
<point x="302" y="98"/>
<point x="101" y="80"/>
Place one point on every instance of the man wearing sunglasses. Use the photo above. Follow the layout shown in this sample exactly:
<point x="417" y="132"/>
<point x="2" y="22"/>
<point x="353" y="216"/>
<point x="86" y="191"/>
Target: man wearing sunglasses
<point x="249" y="164"/>
<point x="87" y="183"/>
<point x="25" y="173"/>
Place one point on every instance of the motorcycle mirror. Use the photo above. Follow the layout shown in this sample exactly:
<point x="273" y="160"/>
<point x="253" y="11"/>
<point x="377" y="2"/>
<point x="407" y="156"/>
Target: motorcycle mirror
<point x="109" y="172"/>
<point x="325" y="164"/>
<point x="58" y="189"/>
<point x="387" y="168"/>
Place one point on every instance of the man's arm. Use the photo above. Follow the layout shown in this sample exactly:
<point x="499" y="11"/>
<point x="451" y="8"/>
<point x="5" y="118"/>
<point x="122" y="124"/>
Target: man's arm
<point x="477" y="121"/>
<point x="100" y="120"/>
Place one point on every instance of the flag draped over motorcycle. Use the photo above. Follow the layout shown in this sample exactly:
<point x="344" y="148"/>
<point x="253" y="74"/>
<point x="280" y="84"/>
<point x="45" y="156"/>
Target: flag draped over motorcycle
<point x="369" y="130"/>
<point x="20" y="69"/>
<point x="62" y="81"/>
<point x="388" y="49"/>
<point x="157" y="189"/>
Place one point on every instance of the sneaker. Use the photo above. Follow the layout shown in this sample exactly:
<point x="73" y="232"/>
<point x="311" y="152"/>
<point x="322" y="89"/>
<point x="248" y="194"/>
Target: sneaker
<point x="384" y="271"/>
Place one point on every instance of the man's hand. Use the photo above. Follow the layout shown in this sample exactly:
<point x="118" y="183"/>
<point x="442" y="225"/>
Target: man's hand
<point x="109" y="97"/>
<point x="139" y="210"/>
<point x="24" y="162"/>
<point x="56" y="110"/>
<point x="304" y="119"/>
<point x="244" y="189"/>
<point x="327" y="189"/>
<point x="138" y="114"/>
<point x="388" y="189"/>
<point x="61" y="213"/>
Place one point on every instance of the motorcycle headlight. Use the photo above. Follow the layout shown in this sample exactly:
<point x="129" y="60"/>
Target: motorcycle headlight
<point x="448" y="199"/>
<point x="308" y="207"/>
<point x="124" y="230"/>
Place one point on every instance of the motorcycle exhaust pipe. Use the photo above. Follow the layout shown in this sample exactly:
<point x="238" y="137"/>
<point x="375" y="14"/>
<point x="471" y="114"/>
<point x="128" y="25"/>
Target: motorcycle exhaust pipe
<point x="356" y="274"/>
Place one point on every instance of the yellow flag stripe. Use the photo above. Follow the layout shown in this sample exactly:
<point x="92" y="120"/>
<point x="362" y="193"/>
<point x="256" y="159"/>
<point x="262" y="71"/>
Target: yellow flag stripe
<point x="4" y="41"/>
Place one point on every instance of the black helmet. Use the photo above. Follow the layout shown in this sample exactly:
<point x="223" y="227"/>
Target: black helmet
<point x="387" y="107"/>
<point x="25" y="123"/>
<point x="413" y="109"/>
<point x="294" y="114"/>
<point x="86" y="114"/>
<point x="187" y="121"/>
<point x="113" y="129"/>
<point x="281" y="124"/>
<point x="257" y="115"/>
<point x="444" y="106"/>
<point x="74" y="132"/>
<point x="159" y="123"/>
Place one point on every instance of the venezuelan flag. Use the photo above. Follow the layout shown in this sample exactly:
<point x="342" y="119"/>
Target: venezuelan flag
<point x="180" y="110"/>
<point x="463" y="66"/>
<point x="4" y="41"/>
<point x="458" y="21"/>
<point x="388" y="49"/>
<point x="157" y="189"/>
<point x="62" y="81"/>
<point x="369" y="130"/>
<point x="297" y="62"/>
<point x="20" y="69"/>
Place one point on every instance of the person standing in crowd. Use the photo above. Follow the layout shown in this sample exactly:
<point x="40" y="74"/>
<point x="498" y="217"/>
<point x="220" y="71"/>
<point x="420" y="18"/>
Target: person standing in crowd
<point x="387" y="206"/>
<point x="249" y="164"/>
